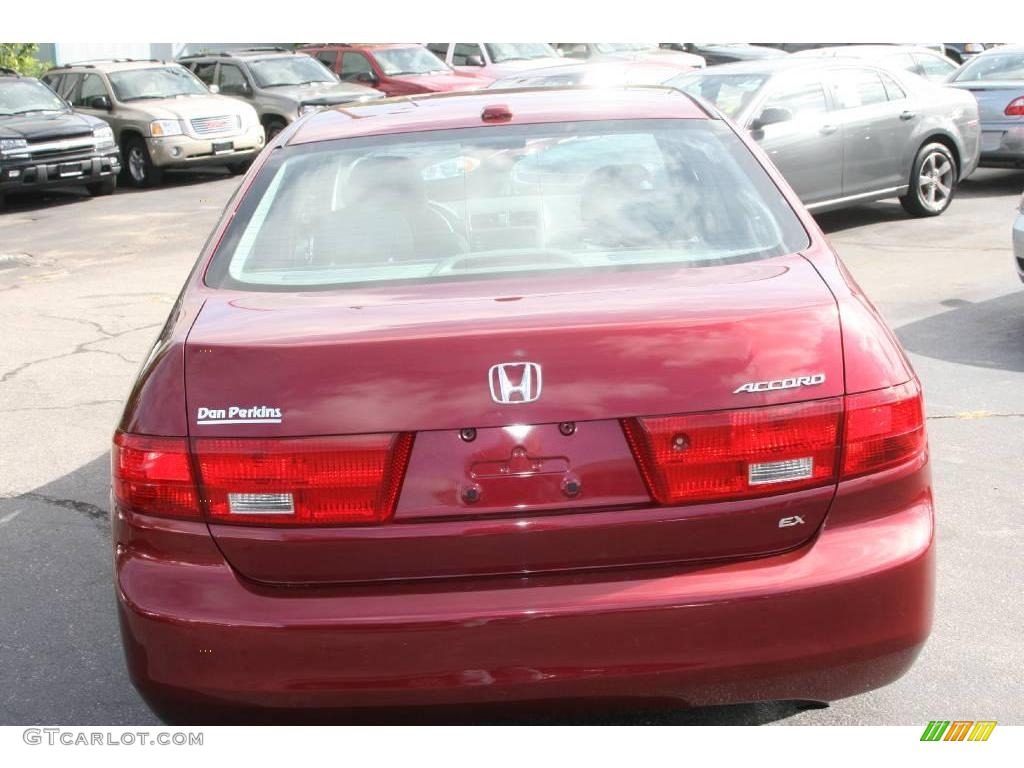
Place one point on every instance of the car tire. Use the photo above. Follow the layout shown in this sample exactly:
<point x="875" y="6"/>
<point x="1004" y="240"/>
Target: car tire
<point x="139" y="170"/>
<point x="273" y="126"/>
<point x="932" y="181"/>
<point x="102" y="188"/>
<point x="237" y="169"/>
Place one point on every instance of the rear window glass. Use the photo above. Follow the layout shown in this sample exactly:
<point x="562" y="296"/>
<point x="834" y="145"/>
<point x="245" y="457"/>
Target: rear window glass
<point x="481" y="202"/>
<point x="993" y="66"/>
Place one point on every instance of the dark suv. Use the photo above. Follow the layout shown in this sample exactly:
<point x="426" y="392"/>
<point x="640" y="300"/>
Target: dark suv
<point x="44" y="144"/>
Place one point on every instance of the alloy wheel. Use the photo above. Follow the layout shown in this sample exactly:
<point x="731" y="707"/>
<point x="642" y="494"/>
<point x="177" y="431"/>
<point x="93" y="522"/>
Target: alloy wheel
<point x="935" y="181"/>
<point x="137" y="164"/>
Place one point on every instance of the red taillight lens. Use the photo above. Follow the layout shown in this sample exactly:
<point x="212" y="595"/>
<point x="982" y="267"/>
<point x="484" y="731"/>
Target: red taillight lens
<point x="883" y="429"/>
<point x="303" y="481"/>
<point x="152" y="475"/>
<point x="1015" y="108"/>
<point x="737" y="454"/>
<point x="721" y="455"/>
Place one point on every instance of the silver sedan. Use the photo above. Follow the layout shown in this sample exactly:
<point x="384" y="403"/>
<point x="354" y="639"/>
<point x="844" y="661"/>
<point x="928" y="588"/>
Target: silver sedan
<point x="996" y="79"/>
<point x="846" y="131"/>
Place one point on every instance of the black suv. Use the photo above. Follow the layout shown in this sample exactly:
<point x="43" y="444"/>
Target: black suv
<point x="44" y="144"/>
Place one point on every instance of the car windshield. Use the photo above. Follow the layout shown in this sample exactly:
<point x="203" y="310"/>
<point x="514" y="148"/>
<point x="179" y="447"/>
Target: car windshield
<point x="729" y="92"/>
<point x="289" y="70"/>
<point x="409" y="61"/>
<point x="500" y="52"/>
<point x="155" y="83"/>
<point x="480" y="202"/>
<point x="624" y="47"/>
<point x="994" y="67"/>
<point x="20" y="95"/>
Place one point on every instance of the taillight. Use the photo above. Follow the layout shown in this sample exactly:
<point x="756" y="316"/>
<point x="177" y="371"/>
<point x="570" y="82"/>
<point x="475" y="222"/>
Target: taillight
<point x="302" y="481"/>
<point x="721" y="455"/>
<point x="882" y="429"/>
<point x="1015" y="108"/>
<point x="737" y="454"/>
<point x="152" y="475"/>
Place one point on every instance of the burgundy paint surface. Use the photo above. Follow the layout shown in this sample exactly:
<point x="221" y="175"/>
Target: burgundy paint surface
<point x="526" y="594"/>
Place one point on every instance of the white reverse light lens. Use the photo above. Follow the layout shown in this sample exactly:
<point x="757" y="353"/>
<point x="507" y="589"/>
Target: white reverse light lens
<point x="780" y="471"/>
<point x="261" y="504"/>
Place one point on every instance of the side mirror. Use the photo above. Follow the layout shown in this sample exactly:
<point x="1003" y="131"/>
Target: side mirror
<point x="236" y="89"/>
<point x="366" y="77"/>
<point x="100" y="102"/>
<point x="771" y="116"/>
<point x="474" y="61"/>
<point x="214" y="88"/>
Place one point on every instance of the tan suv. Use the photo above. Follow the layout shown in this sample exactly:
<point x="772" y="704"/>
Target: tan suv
<point x="162" y="115"/>
<point x="281" y="85"/>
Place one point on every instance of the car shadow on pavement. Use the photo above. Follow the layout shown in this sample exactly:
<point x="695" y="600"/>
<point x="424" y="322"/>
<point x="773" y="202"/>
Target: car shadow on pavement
<point x="991" y="183"/>
<point x="860" y="216"/>
<point x="987" y="334"/>
<point x="55" y="564"/>
<point x="26" y="202"/>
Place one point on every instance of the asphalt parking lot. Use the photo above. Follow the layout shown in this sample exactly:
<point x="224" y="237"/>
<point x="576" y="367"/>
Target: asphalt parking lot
<point x="85" y="284"/>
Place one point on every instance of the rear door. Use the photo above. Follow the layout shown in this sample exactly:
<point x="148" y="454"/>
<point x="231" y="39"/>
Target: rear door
<point x="876" y="131"/>
<point x="808" y="148"/>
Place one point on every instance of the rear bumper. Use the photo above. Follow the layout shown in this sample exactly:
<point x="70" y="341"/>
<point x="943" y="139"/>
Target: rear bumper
<point x="36" y="174"/>
<point x="1002" y="144"/>
<point x="842" y="615"/>
<point x="176" y="151"/>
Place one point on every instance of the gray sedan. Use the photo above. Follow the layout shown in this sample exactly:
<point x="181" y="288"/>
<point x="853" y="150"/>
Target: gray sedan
<point x="845" y="132"/>
<point x="996" y="78"/>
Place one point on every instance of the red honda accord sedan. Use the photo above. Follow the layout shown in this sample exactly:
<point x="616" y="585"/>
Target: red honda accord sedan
<point x="520" y="396"/>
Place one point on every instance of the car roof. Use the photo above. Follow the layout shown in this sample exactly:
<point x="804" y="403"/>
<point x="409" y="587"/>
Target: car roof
<point x="463" y="109"/>
<point x="242" y="53"/>
<point x="368" y="46"/>
<point x="1012" y="48"/>
<point x="115" y="65"/>
<point x="862" y="51"/>
<point x="773" y="66"/>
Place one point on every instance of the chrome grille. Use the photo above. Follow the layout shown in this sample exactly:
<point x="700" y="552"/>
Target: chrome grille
<point x="207" y="126"/>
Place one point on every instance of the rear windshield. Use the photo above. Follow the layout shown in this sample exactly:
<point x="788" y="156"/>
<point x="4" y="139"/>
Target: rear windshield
<point x="993" y="66"/>
<point x="489" y="201"/>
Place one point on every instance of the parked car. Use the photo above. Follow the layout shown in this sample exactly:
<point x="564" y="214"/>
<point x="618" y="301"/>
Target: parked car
<point x="963" y="52"/>
<point x="495" y="60"/>
<point x="397" y="69"/>
<point x="580" y="405"/>
<point x="726" y="53"/>
<point x="599" y="74"/>
<point x="1018" y="240"/>
<point x="996" y="79"/>
<point x="281" y="85"/>
<point x="847" y="132"/>
<point x="162" y="116"/>
<point x="649" y="52"/>
<point x="921" y="61"/>
<point x="43" y="144"/>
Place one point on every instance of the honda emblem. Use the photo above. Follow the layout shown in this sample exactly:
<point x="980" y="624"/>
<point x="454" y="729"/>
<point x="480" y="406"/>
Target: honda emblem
<point x="513" y="383"/>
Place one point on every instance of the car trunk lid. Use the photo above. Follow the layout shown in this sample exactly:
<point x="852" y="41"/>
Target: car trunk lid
<point x="526" y="487"/>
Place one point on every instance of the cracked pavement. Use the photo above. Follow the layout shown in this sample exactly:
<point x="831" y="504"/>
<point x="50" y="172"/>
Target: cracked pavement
<point x="85" y="284"/>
